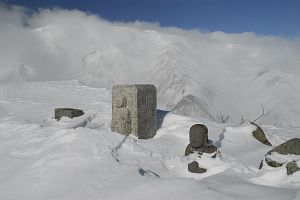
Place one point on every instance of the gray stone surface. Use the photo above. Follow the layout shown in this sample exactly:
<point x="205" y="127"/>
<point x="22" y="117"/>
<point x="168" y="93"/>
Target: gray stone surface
<point x="259" y="134"/>
<point x="292" y="167"/>
<point x="199" y="144"/>
<point x="291" y="146"/>
<point x="67" y="112"/>
<point x="194" y="168"/>
<point x="198" y="135"/>
<point x="134" y="110"/>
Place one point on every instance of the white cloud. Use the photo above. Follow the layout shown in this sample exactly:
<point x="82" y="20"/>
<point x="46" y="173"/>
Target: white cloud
<point x="58" y="40"/>
<point x="69" y="44"/>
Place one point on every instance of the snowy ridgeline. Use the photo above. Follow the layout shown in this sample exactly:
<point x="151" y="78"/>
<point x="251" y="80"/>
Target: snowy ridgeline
<point x="80" y="158"/>
<point x="199" y="74"/>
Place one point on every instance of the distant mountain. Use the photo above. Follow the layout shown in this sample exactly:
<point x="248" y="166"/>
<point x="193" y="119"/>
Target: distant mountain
<point x="198" y="74"/>
<point x="20" y="73"/>
<point x="186" y="82"/>
<point x="278" y="92"/>
<point x="177" y="90"/>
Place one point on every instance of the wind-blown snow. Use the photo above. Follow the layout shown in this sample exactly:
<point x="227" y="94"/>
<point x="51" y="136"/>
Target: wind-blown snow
<point x="197" y="73"/>
<point x="80" y="158"/>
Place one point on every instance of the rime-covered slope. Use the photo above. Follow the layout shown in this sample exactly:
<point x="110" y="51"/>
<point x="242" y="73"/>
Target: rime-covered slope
<point x="278" y="92"/>
<point x="197" y="74"/>
<point x="177" y="90"/>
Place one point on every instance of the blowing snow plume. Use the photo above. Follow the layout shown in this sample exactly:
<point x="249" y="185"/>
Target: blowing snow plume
<point x="200" y="74"/>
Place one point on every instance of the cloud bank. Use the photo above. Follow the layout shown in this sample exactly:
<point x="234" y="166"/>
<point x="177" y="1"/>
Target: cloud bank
<point x="223" y="70"/>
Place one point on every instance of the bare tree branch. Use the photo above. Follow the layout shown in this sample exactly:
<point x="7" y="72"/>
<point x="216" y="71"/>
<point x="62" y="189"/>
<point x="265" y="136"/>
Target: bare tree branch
<point x="242" y="120"/>
<point x="223" y="119"/>
<point x="262" y="114"/>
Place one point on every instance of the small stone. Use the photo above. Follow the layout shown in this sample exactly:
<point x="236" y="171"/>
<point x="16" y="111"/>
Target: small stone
<point x="259" y="134"/>
<point x="209" y="149"/>
<point x="67" y="112"/>
<point x="292" y="167"/>
<point x="273" y="163"/>
<point x="194" y="168"/>
<point x="292" y="147"/>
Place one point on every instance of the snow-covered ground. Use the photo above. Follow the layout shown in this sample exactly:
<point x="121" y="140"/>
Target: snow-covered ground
<point x="43" y="159"/>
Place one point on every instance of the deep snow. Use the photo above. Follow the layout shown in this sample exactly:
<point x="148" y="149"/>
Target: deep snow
<point x="80" y="158"/>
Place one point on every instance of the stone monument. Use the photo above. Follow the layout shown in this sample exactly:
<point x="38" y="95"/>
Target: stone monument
<point x="67" y="112"/>
<point x="199" y="144"/>
<point x="134" y="110"/>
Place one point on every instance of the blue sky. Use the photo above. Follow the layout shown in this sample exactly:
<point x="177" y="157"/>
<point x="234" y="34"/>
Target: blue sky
<point x="264" y="17"/>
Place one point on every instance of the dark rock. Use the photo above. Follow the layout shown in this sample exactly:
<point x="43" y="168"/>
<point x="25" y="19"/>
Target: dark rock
<point x="291" y="146"/>
<point x="194" y="168"/>
<point x="259" y="134"/>
<point x="67" y="112"/>
<point x="273" y="163"/>
<point x="200" y="150"/>
<point x="292" y="167"/>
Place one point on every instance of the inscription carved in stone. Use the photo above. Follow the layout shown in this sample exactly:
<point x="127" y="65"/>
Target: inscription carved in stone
<point x="124" y="121"/>
<point x="134" y="110"/>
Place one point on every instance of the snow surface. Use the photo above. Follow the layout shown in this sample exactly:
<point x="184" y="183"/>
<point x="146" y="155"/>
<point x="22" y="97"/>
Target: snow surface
<point x="80" y="158"/>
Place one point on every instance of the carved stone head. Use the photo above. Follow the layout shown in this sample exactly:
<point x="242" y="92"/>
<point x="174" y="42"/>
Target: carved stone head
<point x="121" y="101"/>
<point x="198" y="136"/>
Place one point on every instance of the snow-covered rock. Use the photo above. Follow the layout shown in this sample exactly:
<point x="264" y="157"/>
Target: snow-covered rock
<point x="287" y="154"/>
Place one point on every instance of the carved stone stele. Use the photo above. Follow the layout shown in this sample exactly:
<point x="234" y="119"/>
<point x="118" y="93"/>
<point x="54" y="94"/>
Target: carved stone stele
<point x="134" y="110"/>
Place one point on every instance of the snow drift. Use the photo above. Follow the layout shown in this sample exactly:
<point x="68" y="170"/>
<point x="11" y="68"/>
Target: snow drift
<point x="81" y="158"/>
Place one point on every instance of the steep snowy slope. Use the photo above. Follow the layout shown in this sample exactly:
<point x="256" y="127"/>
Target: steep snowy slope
<point x="277" y="91"/>
<point x="177" y="90"/>
<point x="42" y="158"/>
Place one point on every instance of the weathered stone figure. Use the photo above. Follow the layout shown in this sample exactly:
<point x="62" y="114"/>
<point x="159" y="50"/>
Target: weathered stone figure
<point x="199" y="144"/>
<point x="198" y="136"/>
<point x="134" y="110"/>
<point x="124" y="121"/>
